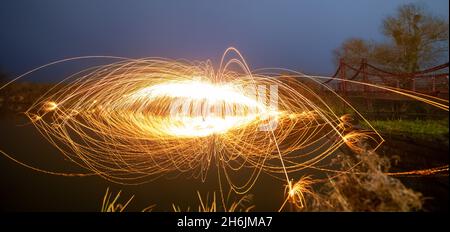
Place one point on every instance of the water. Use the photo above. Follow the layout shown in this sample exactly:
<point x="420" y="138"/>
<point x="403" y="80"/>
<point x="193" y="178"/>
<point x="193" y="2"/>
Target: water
<point x="28" y="190"/>
<point x="24" y="189"/>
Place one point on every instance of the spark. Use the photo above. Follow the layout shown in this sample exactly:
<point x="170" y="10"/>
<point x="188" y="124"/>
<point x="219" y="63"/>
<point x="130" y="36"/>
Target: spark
<point x="296" y="192"/>
<point x="50" y="106"/>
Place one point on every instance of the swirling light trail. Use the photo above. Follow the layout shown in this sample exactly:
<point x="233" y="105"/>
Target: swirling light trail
<point x="119" y="121"/>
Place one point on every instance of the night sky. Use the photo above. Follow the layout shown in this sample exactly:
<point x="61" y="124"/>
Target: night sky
<point x="299" y="35"/>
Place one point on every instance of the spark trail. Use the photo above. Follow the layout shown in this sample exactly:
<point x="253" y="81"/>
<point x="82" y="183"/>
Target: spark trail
<point x="138" y="119"/>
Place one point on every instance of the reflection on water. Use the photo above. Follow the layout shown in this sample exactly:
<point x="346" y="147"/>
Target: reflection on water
<point x="28" y="190"/>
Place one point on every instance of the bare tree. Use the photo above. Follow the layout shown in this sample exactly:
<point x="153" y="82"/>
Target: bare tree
<point x="353" y="50"/>
<point x="416" y="40"/>
<point x="419" y="38"/>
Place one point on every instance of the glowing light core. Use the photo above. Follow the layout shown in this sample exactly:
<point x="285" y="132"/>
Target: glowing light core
<point x="200" y="109"/>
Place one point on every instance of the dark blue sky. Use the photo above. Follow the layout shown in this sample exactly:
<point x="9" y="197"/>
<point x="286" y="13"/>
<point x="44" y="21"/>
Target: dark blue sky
<point x="297" y="34"/>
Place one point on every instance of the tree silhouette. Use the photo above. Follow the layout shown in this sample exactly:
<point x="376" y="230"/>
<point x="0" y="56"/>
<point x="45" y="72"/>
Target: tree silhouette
<point x="416" y="39"/>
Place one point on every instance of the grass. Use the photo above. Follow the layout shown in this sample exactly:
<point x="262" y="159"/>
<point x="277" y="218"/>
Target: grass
<point x="211" y="204"/>
<point x="112" y="204"/>
<point x="365" y="188"/>
<point x="420" y="129"/>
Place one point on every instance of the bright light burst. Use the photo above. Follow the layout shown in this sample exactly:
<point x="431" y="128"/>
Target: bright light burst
<point x="138" y="119"/>
<point x="205" y="99"/>
<point x="135" y="120"/>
